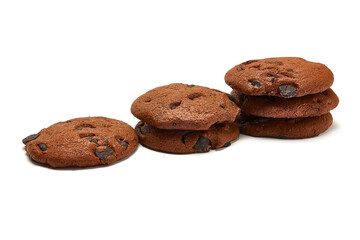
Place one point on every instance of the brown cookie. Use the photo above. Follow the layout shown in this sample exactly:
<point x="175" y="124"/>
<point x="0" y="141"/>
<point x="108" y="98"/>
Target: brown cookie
<point x="285" y="128"/>
<point x="282" y="77"/>
<point x="183" y="141"/>
<point x="82" y="142"/>
<point x="275" y="107"/>
<point x="184" y="107"/>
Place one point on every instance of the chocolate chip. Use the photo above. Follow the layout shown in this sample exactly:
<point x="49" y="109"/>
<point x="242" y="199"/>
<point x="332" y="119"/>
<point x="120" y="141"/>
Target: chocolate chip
<point x="289" y="70"/>
<point x="91" y="139"/>
<point x="192" y="85"/>
<point x="256" y="83"/>
<point x="123" y="143"/>
<point x="85" y="126"/>
<point x="103" y="152"/>
<point x="202" y="144"/>
<point x="226" y="144"/>
<point x="247" y="62"/>
<point x="232" y="98"/>
<point x="239" y="69"/>
<point x="175" y="105"/>
<point x="274" y="62"/>
<point x="287" y="90"/>
<point x="274" y="77"/>
<point x="30" y="138"/>
<point x="183" y="138"/>
<point x="174" y="124"/>
<point x="42" y="147"/>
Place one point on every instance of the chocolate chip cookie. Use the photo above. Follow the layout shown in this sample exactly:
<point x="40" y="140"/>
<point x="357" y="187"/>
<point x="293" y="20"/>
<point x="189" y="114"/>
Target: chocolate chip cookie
<point x="184" y="141"/>
<point x="82" y="142"/>
<point x="184" y="107"/>
<point x="276" y="107"/>
<point x="285" y="128"/>
<point x="282" y="77"/>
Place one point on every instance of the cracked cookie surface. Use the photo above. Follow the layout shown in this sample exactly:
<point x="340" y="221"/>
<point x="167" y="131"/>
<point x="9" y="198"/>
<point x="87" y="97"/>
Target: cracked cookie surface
<point x="82" y="142"/>
<point x="184" y="107"/>
<point x="183" y="141"/>
<point x="285" y="77"/>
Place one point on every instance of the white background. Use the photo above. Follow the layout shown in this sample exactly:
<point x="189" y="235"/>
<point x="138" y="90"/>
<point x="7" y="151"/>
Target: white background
<point x="65" y="59"/>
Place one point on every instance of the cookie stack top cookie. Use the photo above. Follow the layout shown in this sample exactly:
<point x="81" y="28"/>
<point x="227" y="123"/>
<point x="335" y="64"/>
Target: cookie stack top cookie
<point x="282" y="77"/>
<point x="184" y="107"/>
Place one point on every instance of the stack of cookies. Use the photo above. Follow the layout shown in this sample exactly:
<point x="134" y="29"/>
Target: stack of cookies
<point x="283" y="97"/>
<point x="181" y="118"/>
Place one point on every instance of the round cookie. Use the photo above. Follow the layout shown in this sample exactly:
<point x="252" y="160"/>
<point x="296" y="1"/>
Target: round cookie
<point x="184" y="107"/>
<point x="82" y="142"/>
<point x="183" y="141"/>
<point x="285" y="128"/>
<point x="282" y="77"/>
<point x="275" y="107"/>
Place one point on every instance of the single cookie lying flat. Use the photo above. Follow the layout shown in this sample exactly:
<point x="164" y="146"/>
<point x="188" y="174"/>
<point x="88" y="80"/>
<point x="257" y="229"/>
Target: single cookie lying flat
<point x="275" y="107"/>
<point x="182" y="141"/>
<point x="283" y="77"/>
<point x="285" y="128"/>
<point x="184" y="107"/>
<point x="82" y="142"/>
